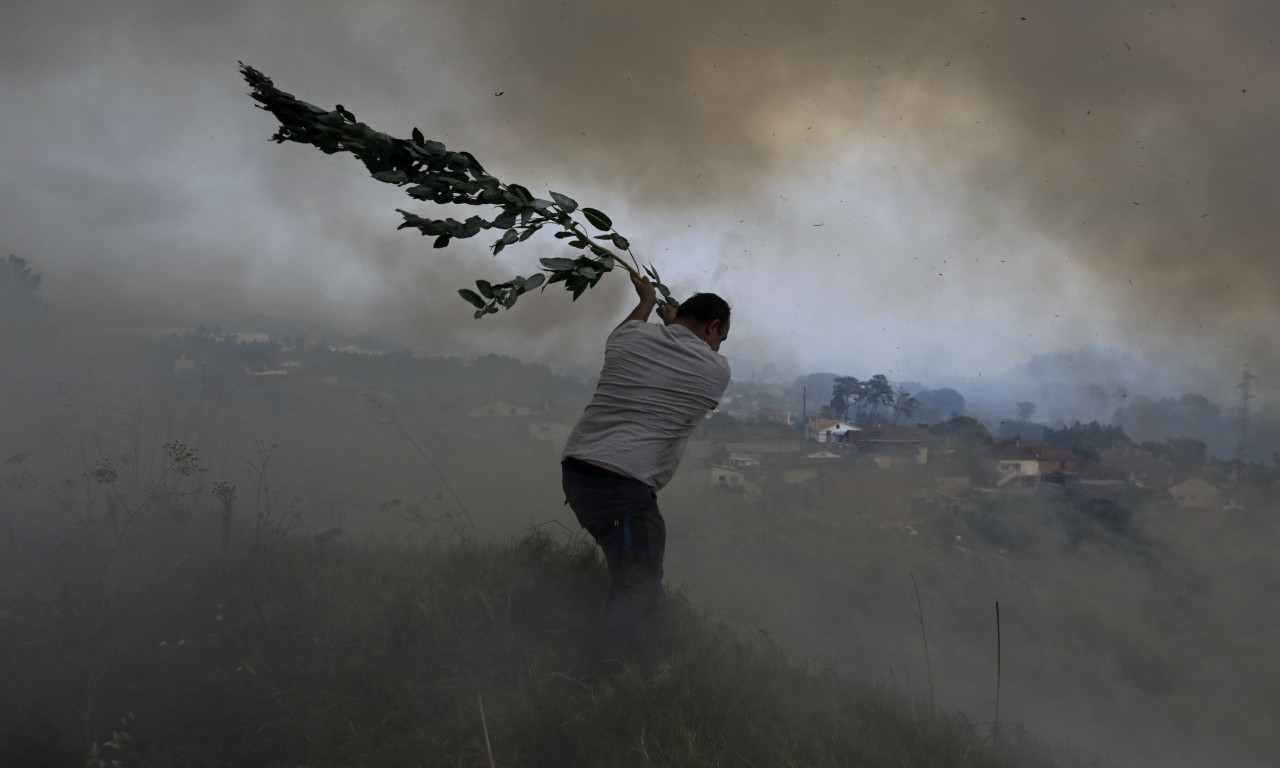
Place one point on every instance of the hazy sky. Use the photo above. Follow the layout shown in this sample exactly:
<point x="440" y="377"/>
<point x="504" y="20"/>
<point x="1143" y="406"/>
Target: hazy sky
<point x="921" y="189"/>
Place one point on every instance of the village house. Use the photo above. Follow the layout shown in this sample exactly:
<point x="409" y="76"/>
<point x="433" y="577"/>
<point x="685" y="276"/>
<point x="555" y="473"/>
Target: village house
<point x="749" y="454"/>
<point x="731" y="478"/>
<point x="827" y="430"/>
<point x="1027" y="464"/>
<point x="1139" y="467"/>
<point x="890" y="444"/>
<point x="1198" y="493"/>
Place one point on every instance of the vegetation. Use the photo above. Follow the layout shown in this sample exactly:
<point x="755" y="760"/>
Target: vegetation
<point x="457" y="652"/>
<point x="870" y="402"/>
<point x="1087" y="440"/>
<point x="20" y="305"/>
<point x="430" y="172"/>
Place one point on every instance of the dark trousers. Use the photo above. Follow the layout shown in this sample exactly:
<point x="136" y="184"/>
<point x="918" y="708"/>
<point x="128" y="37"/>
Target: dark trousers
<point x="622" y="515"/>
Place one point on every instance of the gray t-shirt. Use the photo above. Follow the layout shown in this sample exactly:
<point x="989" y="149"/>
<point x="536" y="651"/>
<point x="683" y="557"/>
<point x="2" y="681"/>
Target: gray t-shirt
<point x="658" y="382"/>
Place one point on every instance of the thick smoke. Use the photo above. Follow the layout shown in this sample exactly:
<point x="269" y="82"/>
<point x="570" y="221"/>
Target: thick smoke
<point x="1001" y="177"/>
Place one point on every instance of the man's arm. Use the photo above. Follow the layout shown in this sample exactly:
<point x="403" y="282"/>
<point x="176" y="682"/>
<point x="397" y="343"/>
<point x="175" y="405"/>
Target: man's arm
<point x="648" y="299"/>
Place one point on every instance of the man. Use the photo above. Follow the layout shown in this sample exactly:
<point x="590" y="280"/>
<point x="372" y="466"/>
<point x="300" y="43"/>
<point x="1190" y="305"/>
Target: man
<point x="657" y="384"/>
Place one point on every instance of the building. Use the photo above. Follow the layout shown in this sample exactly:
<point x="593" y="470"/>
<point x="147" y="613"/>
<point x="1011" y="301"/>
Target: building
<point x="827" y="430"/>
<point x="1198" y="493"/>
<point x="733" y="479"/>
<point x="890" y="444"/>
<point x="1027" y="464"/>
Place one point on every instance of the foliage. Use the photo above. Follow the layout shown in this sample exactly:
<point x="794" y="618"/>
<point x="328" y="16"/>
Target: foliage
<point x="1087" y="440"/>
<point x="432" y="173"/>
<point x="1026" y="430"/>
<point x="20" y="306"/>
<point x="904" y="405"/>
<point x="964" y="428"/>
<point x="868" y="399"/>
<point x="349" y="655"/>
<point x="1184" y="453"/>
<point x="940" y="404"/>
<point x="1190" y="416"/>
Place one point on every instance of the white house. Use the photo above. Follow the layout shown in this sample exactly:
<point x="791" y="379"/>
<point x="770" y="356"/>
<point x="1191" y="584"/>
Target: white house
<point x="827" y="430"/>
<point x="732" y="479"/>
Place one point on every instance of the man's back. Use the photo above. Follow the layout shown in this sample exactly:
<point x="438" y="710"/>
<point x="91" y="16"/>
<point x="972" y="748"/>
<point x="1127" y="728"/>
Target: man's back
<point x="657" y="383"/>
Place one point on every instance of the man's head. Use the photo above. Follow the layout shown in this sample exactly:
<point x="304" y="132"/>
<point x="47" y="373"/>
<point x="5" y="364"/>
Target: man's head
<point x="707" y="315"/>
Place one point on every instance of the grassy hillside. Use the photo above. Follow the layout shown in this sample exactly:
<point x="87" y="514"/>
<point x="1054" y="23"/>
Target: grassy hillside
<point x="169" y="651"/>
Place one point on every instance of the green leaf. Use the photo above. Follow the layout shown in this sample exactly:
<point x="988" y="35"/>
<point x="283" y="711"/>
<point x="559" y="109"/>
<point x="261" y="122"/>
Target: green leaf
<point x="485" y="288"/>
<point x="472" y="297"/>
<point x="557" y="265"/>
<point x="441" y="242"/>
<point x="417" y="136"/>
<point x="588" y="273"/>
<point x="391" y="177"/>
<point x="505" y="220"/>
<point x="533" y="282"/>
<point x="597" y="219"/>
<point x="621" y="242"/>
<point x="520" y="192"/>
<point x="567" y="204"/>
<point x="509" y="237"/>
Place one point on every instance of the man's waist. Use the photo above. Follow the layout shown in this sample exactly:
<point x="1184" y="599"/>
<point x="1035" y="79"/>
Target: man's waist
<point x="595" y="468"/>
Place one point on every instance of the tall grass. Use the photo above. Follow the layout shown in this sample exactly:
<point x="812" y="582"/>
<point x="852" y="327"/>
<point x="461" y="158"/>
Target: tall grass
<point x="462" y="654"/>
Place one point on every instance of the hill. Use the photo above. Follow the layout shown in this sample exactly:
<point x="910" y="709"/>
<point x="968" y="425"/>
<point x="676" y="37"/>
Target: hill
<point x="169" y="650"/>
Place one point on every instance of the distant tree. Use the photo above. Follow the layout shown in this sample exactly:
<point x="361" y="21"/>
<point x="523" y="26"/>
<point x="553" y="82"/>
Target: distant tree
<point x="878" y="394"/>
<point x="904" y="405"/>
<point x="1025" y="409"/>
<point x="1014" y="428"/>
<point x="20" y="306"/>
<point x="1186" y="454"/>
<point x="860" y="402"/>
<point x="844" y="390"/>
<point x="1087" y="440"/>
<point x="966" y="438"/>
<point x="1190" y="416"/>
<point x="940" y="404"/>
<point x="963" y="428"/>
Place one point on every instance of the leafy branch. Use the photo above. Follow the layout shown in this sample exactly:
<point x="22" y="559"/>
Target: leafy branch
<point x="431" y="172"/>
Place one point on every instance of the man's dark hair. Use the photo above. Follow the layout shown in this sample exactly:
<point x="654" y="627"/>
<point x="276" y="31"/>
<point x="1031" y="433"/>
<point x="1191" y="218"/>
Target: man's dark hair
<point x="703" y="308"/>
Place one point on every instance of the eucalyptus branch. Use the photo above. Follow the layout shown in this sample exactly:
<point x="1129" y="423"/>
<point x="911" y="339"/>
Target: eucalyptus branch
<point x="432" y="173"/>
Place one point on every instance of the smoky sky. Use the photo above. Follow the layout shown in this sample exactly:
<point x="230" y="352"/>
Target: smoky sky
<point x="921" y="188"/>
